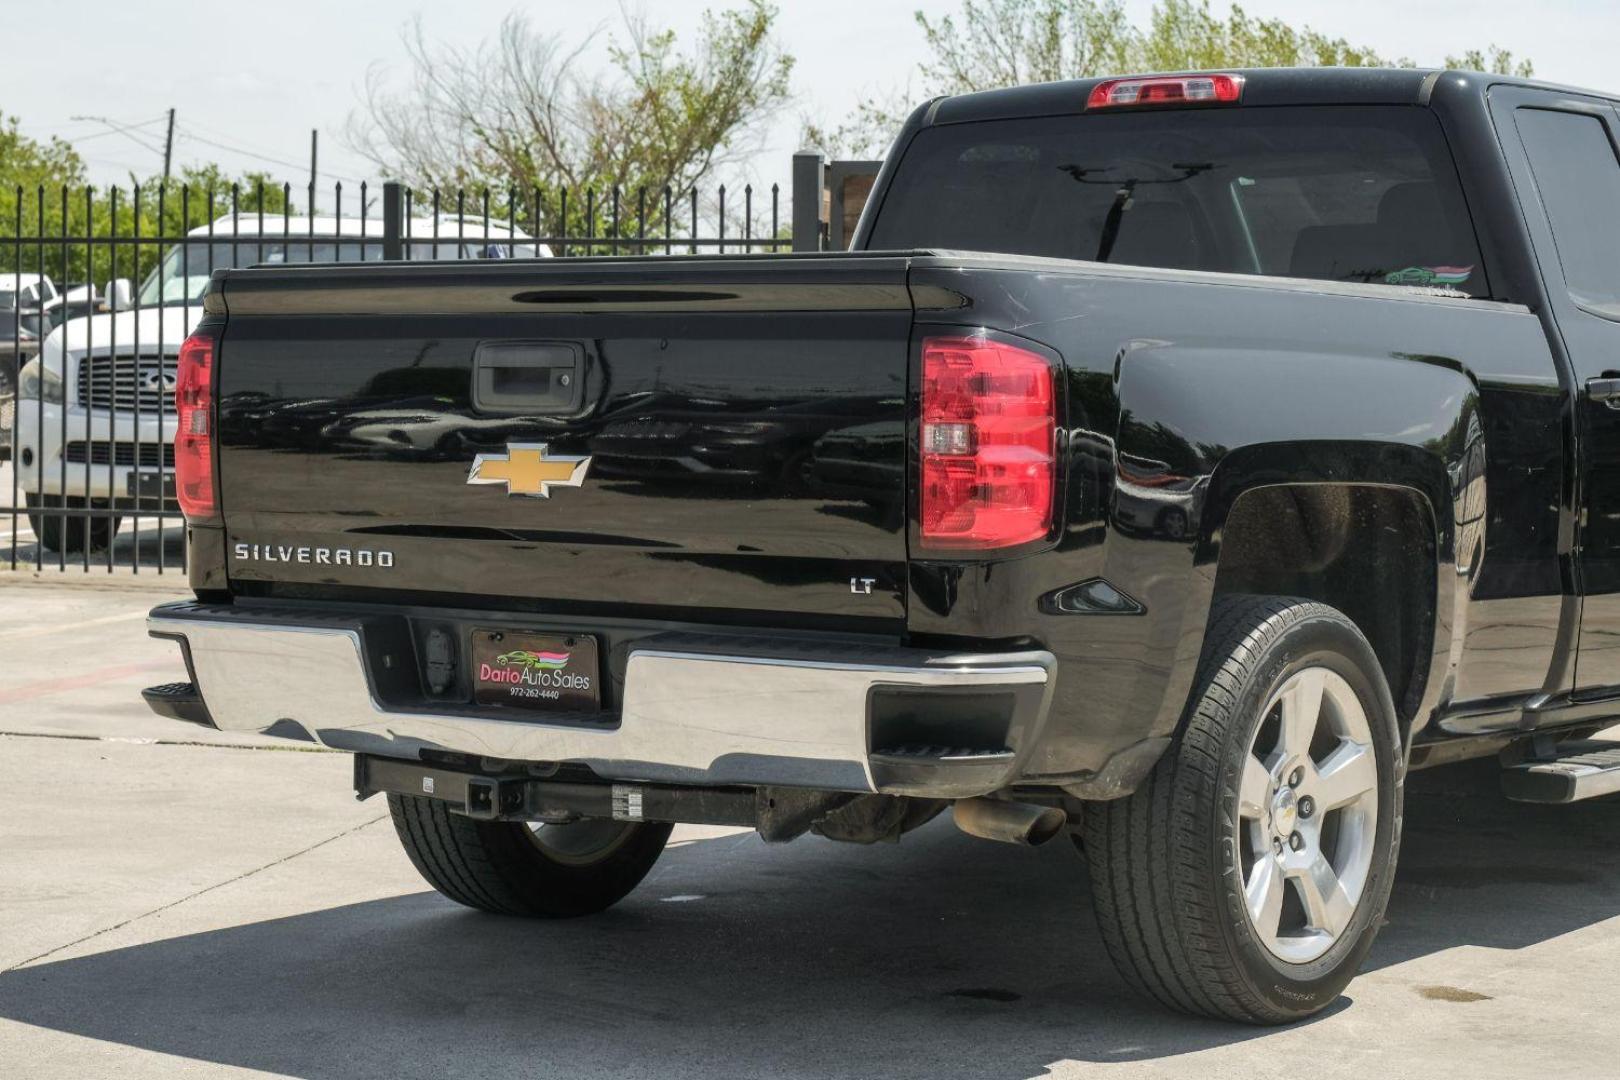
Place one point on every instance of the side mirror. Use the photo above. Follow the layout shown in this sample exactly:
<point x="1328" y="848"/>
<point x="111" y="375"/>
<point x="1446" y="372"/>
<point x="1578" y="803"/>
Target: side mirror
<point x="118" y="295"/>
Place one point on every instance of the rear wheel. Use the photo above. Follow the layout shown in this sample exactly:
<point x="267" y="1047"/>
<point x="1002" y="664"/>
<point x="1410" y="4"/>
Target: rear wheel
<point x="1247" y="877"/>
<point x="71" y="533"/>
<point x="523" y="868"/>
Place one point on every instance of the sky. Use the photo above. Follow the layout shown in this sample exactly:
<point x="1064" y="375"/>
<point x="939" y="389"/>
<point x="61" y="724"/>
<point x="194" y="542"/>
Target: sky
<point x="250" y="81"/>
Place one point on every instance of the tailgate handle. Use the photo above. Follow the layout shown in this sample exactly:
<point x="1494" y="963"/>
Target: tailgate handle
<point x="528" y="378"/>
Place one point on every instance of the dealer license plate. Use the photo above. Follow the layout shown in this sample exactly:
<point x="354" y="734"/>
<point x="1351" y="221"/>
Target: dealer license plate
<point x="544" y="672"/>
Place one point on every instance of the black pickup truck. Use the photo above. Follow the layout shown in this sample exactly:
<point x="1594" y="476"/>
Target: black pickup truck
<point x="1173" y="464"/>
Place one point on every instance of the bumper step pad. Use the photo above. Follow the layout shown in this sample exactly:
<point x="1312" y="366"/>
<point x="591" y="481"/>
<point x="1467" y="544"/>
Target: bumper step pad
<point x="178" y="701"/>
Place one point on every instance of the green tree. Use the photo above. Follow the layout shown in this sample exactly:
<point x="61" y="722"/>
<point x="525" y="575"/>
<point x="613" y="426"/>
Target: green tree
<point x="198" y="195"/>
<point x="517" y="118"/>
<point x="44" y="197"/>
<point x="987" y="44"/>
<point x="28" y="163"/>
<point x="33" y="176"/>
<point x="1495" y="60"/>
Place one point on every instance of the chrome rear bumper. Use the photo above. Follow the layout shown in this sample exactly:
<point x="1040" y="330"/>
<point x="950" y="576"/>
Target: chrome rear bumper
<point x="691" y="711"/>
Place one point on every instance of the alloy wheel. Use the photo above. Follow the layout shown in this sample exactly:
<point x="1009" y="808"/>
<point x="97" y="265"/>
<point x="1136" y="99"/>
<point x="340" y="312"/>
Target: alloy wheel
<point x="1307" y="815"/>
<point x="579" y="843"/>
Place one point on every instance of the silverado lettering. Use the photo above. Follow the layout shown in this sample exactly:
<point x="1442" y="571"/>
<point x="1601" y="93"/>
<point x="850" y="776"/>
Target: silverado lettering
<point x="320" y="556"/>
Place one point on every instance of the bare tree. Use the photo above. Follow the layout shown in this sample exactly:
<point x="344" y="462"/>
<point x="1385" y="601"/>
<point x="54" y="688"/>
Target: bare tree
<point x="987" y="44"/>
<point x="519" y="114"/>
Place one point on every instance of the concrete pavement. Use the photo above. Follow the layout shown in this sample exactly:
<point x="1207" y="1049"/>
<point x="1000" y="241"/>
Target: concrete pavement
<point x="173" y="903"/>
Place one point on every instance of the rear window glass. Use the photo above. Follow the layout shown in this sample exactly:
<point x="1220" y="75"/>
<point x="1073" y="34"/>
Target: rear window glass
<point x="1336" y="193"/>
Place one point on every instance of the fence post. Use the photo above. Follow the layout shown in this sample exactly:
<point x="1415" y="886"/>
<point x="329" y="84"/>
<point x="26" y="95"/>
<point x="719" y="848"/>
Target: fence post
<point x="393" y="221"/>
<point x="807" y="187"/>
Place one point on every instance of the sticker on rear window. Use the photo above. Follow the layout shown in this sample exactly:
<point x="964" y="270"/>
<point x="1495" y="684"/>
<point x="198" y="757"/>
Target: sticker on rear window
<point x="1430" y="275"/>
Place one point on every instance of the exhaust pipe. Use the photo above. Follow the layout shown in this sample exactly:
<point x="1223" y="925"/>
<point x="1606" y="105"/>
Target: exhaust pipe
<point x="1009" y="822"/>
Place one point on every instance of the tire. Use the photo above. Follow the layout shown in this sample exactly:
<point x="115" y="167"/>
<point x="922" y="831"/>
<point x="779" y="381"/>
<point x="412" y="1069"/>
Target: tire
<point x="1171" y="863"/>
<point x="505" y="867"/>
<point x="60" y="533"/>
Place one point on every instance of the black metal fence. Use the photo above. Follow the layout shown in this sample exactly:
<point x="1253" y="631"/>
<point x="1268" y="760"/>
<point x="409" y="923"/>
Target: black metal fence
<point x="99" y="288"/>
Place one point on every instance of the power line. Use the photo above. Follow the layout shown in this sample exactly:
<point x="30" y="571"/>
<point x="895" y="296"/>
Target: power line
<point x="192" y="134"/>
<point x="114" y="128"/>
<point x="217" y="133"/>
<point x="187" y="130"/>
<point x="196" y="126"/>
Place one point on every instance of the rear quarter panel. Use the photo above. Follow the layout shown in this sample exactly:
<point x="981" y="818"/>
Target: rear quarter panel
<point x="1187" y="390"/>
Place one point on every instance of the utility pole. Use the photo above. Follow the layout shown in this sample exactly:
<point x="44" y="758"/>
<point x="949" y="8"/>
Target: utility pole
<point x="314" y="135"/>
<point x="168" y="147"/>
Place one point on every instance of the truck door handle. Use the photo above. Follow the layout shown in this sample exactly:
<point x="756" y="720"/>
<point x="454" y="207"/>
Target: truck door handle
<point x="1605" y="389"/>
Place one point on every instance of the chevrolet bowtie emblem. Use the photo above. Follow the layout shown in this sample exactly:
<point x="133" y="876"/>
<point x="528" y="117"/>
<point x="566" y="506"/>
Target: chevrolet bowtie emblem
<point x="526" y="469"/>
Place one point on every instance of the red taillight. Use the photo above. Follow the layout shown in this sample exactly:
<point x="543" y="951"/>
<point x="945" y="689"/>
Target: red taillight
<point x="194" y="437"/>
<point x="988" y="452"/>
<point x="1167" y="90"/>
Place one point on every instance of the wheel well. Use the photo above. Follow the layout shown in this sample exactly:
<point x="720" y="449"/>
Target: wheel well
<point x="1360" y="548"/>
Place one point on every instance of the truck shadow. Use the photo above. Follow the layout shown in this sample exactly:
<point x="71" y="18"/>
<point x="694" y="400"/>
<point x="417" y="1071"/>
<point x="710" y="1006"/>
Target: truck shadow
<point x="1479" y="870"/>
<point x="947" y="958"/>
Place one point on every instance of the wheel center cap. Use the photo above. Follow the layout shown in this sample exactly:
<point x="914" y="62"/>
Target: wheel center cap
<point x="1284" y="812"/>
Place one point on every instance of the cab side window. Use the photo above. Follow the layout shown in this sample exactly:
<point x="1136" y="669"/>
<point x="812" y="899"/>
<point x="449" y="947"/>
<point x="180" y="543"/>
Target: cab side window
<point x="1578" y="177"/>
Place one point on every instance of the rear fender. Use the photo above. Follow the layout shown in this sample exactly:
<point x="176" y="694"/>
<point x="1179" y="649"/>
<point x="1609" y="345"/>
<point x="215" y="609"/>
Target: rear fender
<point x="1237" y="420"/>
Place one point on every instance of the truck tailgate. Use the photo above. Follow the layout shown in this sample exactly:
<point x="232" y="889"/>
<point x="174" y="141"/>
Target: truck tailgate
<point x="705" y="439"/>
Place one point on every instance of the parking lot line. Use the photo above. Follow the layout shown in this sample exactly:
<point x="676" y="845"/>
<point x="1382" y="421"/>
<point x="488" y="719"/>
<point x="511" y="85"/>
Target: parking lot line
<point x="193" y="895"/>
<point x="47" y="687"/>
<point x="36" y="631"/>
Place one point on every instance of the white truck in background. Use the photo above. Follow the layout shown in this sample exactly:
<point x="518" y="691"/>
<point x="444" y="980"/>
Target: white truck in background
<point x="94" y="409"/>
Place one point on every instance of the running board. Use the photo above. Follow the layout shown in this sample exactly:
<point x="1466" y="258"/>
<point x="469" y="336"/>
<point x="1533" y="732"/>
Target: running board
<point x="1580" y="770"/>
